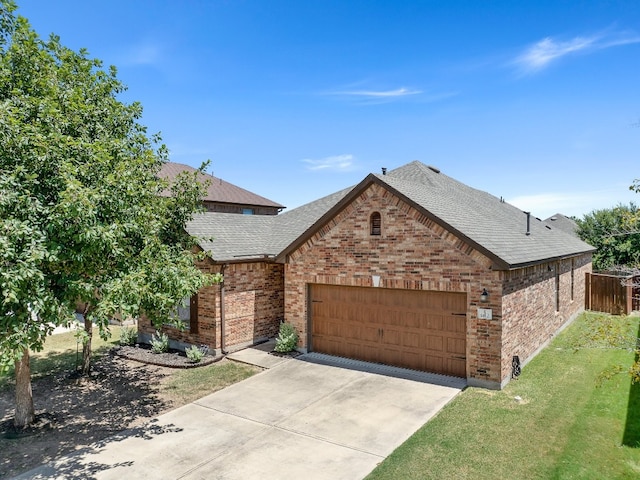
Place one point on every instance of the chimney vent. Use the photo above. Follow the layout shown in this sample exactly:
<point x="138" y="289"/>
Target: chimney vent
<point x="384" y="170"/>
<point x="528" y="223"/>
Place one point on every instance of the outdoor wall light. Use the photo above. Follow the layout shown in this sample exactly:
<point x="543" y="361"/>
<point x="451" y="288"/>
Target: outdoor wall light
<point x="484" y="296"/>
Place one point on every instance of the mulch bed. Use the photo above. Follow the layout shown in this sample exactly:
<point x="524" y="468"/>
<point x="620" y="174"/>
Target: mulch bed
<point x="142" y="352"/>
<point x="173" y="358"/>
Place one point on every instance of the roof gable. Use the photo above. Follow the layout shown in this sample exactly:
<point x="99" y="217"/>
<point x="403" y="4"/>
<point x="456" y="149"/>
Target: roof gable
<point x="492" y="226"/>
<point x="489" y="223"/>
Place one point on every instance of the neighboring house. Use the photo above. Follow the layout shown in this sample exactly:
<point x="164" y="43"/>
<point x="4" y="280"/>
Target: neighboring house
<point x="409" y="268"/>
<point x="563" y="223"/>
<point x="223" y="196"/>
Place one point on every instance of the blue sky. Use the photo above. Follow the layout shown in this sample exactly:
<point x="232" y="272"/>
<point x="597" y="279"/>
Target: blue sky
<point x="537" y="102"/>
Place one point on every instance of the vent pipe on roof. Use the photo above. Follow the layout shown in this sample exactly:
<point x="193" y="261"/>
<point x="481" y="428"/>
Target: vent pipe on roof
<point x="528" y="223"/>
<point x="384" y="170"/>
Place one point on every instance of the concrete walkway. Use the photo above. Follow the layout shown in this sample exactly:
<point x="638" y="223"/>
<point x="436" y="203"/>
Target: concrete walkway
<point x="298" y="419"/>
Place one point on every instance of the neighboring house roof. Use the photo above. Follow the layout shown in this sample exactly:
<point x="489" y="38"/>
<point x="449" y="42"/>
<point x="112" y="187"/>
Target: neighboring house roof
<point x="218" y="190"/>
<point x="492" y="226"/>
<point x="566" y="224"/>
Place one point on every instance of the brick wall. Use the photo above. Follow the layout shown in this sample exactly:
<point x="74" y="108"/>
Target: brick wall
<point x="208" y="318"/>
<point x="254" y="301"/>
<point x="254" y="307"/>
<point x="412" y="252"/>
<point x="532" y="312"/>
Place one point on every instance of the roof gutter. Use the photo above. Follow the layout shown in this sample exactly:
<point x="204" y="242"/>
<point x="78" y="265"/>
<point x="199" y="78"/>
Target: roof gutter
<point x="223" y="329"/>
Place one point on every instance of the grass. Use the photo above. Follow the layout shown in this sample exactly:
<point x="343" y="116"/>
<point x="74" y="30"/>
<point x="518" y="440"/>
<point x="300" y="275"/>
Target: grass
<point x="578" y="417"/>
<point x="62" y="352"/>
<point x="181" y="386"/>
<point x="187" y="385"/>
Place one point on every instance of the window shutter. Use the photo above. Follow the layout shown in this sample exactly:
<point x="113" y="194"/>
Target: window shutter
<point x="193" y="314"/>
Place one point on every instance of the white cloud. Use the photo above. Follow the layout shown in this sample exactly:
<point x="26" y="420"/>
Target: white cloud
<point x="540" y="55"/>
<point x="336" y="163"/>
<point x="398" y="92"/>
<point x="369" y="96"/>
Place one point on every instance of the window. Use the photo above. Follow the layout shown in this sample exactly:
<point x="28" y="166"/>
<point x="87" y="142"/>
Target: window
<point x="557" y="287"/>
<point x="573" y="266"/>
<point x="247" y="211"/>
<point x="375" y="222"/>
<point x="187" y="313"/>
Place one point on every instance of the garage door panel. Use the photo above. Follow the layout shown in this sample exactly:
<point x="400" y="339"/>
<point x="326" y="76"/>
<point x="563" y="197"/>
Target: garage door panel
<point x="390" y="356"/>
<point x="411" y="339"/>
<point x="432" y="322"/>
<point x="392" y="337"/>
<point x="334" y="329"/>
<point x="412" y="320"/>
<point x="406" y="328"/>
<point x="455" y="324"/>
<point x="434" y="364"/>
<point x="324" y="344"/>
<point x="456" y="346"/>
<point x="368" y="353"/>
<point x="433" y="343"/>
<point x="370" y="333"/>
<point x="414" y="360"/>
<point x="457" y="367"/>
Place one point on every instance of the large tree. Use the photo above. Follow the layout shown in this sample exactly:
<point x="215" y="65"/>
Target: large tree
<point x="615" y="232"/>
<point x="84" y="216"/>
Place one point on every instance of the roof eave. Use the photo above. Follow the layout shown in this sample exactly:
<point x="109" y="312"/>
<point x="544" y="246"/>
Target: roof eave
<point x="516" y="266"/>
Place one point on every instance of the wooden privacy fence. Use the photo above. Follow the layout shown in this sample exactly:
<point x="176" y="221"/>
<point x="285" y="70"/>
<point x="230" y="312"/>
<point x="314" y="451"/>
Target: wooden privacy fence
<point x="614" y="294"/>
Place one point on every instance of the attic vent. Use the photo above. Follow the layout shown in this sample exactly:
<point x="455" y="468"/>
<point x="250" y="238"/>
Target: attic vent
<point x="433" y="169"/>
<point x="375" y="222"/>
<point x="548" y="227"/>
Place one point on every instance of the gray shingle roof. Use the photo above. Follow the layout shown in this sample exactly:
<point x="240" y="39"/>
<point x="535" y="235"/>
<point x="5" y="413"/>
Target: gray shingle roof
<point x="491" y="225"/>
<point x="229" y="236"/>
<point x="564" y="223"/>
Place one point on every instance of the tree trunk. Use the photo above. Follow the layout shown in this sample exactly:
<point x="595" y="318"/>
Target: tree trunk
<point x="86" y="345"/>
<point x="25" y="414"/>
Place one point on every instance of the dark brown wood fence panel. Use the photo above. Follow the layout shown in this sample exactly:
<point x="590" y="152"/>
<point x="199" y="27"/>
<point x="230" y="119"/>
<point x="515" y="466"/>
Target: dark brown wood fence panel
<point x="611" y="294"/>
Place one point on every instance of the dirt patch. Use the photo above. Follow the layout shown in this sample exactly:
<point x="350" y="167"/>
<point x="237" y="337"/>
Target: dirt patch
<point x="73" y="411"/>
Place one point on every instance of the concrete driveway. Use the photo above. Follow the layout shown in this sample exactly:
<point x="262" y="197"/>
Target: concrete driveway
<point x="296" y="420"/>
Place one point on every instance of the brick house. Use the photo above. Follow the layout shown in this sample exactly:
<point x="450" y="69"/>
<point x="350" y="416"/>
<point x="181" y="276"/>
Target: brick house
<point x="409" y="268"/>
<point x="224" y="196"/>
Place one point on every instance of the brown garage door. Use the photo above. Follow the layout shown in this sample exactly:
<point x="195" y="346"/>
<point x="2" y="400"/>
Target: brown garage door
<point x="416" y="329"/>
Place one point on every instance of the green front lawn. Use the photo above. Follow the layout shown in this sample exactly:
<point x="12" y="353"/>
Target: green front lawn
<point x="577" y="417"/>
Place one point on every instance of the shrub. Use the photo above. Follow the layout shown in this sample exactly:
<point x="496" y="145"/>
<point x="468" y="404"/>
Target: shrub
<point x="128" y="336"/>
<point x="195" y="354"/>
<point x="287" y="338"/>
<point x="159" y="342"/>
